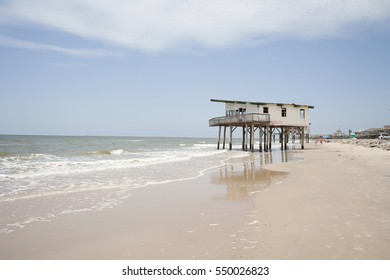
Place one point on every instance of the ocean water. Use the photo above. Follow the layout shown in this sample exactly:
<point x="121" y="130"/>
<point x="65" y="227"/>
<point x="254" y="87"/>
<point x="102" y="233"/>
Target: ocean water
<point x="35" y="166"/>
<point x="98" y="172"/>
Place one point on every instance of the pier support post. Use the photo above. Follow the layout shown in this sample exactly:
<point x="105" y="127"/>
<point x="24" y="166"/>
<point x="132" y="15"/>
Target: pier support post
<point x="260" y="139"/>
<point x="270" y="139"/>
<point x="243" y="138"/>
<point x="219" y="137"/>
<point x="302" y="137"/>
<point x="286" y="138"/>
<point x="246" y="137"/>
<point x="224" y="137"/>
<point x="281" y="134"/>
<point x="252" y="138"/>
<point x="231" y="138"/>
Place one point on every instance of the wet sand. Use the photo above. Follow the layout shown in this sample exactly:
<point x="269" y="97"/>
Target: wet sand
<point x="335" y="204"/>
<point x="203" y="218"/>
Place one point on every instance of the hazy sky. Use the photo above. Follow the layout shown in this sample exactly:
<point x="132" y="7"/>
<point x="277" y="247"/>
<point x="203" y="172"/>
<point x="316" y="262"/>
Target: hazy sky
<point x="150" y="67"/>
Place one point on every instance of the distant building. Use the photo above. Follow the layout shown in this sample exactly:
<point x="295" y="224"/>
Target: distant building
<point x="372" y="133"/>
<point x="285" y="118"/>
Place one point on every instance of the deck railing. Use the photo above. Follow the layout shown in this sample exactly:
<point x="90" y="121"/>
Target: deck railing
<point x="239" y="119"/>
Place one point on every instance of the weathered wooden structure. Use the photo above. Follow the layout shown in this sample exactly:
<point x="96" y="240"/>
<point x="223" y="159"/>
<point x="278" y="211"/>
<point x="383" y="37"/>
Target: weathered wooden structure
<point x="266" y="119"/>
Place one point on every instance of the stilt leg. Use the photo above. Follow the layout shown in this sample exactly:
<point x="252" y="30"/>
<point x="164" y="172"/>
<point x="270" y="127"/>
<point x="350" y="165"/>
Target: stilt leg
<point x="219" y="137"/>
<point x="243" y="138"/>
<point x="246" y="137"/>
<point x="281" y="137"/>
<point x="270" y="138"/>
<point x="252" y="138"/>
<point x="260" y="139"/>
<point x="231" y="138"/>
<point x="286" y="138"/>
<point x="224" y="137"/>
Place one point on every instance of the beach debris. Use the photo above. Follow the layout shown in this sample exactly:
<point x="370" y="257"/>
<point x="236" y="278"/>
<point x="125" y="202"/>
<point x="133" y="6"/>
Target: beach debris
<point x="368" y="143"/>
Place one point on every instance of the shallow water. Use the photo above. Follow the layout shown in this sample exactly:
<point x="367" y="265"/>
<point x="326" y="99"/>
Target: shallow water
<point x="93" y="173"/>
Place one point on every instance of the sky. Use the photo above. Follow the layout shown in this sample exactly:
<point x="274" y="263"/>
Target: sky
<point x="150" y="67"/>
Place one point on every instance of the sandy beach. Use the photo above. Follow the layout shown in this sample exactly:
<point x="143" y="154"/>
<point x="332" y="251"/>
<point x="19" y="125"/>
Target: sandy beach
<point x="332" y="204"/>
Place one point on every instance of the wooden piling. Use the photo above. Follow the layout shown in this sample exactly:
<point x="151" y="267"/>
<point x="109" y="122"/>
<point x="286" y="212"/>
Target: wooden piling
<point x="231" y="138"/>
<point x="260" y="139"/>
<point x="246" y="137"/>
<point x="281" y="134"/>
<point x="219" y="137"/>
<point x="224" y="137"/>
<point x="267" y="134"/>
<point x="253" y="138"/>
<point x="286" y="138"/>
<point x="243" y="138"/>
<point x="266" y="138"/>
<point x="270" y="139"/>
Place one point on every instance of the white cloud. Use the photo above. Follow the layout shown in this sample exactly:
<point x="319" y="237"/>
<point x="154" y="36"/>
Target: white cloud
<point x="15" y="43"/>
<point x="162" y="24"/>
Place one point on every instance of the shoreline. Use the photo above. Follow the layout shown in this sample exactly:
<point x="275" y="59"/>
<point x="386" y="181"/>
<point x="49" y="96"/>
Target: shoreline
<point x="334" y="204"/>
<point x="201" y="218"/>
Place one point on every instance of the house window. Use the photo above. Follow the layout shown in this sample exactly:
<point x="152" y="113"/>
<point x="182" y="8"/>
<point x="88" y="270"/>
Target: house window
<point x="265" y="110"/>
<point x="284" y="112"/>
<point x="241" y="111"/>
<point x="231" y="113"/>
<point x="302" y="113"/>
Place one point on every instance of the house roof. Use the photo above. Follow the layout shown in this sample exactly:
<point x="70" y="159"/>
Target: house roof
<point x="259" y="103"/>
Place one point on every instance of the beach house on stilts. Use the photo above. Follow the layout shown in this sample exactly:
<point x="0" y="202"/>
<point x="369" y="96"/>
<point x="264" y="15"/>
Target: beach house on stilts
<point x="268" y="120"/>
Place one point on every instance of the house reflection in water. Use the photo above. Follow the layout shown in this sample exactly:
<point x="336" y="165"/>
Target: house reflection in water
<point x="276" y="157"/>
<point x="246" y="178"/>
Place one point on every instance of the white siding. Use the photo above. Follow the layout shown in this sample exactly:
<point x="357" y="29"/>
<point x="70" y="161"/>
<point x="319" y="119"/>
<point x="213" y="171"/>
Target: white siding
<point x="293" y="113"/>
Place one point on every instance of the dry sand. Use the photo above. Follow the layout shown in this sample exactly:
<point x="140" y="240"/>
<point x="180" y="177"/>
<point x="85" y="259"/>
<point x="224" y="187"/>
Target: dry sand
<point x="335" y="204"/>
